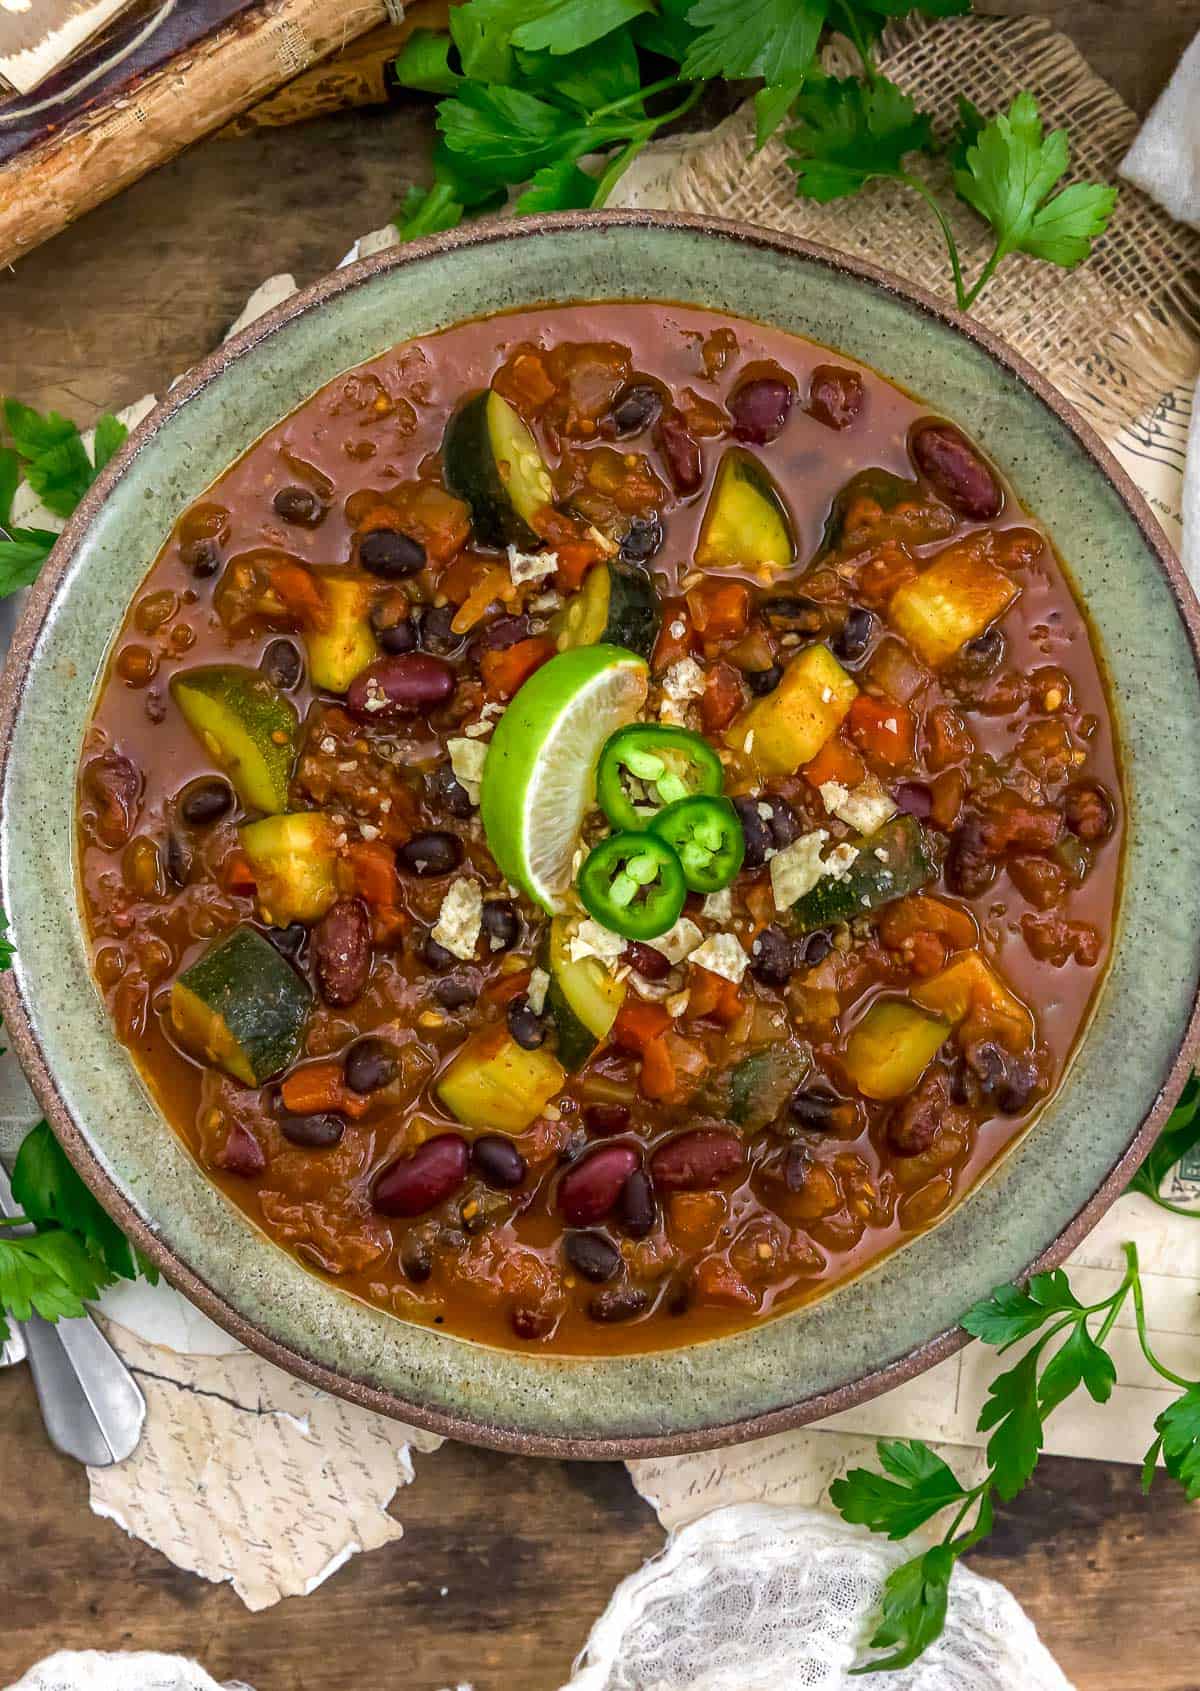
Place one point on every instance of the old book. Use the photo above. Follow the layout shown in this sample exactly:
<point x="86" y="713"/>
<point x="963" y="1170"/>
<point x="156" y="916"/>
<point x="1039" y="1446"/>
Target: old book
<point x="39" y="36"/>
<point x="173" y="100"/>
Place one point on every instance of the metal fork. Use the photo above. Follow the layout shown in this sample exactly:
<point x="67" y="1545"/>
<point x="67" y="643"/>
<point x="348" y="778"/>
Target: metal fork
<point x="90" y="1402"/>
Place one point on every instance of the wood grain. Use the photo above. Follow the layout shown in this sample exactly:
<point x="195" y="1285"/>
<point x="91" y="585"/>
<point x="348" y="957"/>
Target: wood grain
<point x="527" y="1552"/>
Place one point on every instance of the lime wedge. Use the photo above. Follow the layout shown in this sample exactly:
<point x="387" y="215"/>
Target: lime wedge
<point x="539" y="780"/>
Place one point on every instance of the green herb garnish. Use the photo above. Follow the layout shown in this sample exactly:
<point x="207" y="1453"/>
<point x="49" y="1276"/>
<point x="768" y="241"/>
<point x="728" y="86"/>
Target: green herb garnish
<point x="48" y="451"/>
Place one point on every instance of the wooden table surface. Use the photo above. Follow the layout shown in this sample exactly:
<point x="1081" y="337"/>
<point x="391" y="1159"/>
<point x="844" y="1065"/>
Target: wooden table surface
<point x="527" y="1552"/>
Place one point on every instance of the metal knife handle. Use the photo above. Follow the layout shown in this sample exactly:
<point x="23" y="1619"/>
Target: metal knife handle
<point x="90" y="1402"/>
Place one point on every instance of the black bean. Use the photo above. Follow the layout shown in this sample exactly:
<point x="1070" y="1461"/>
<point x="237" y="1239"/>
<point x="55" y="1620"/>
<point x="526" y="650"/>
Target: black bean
<point x="435" y="956"/>
<point x="996" y="1075"/>
<point x="497" y="1161"/>
<point x="793" y="613"/>
<point x="446" y="792"/>
<point x="201" y="556"/>
<point x="505" y="631"/>
<point x="282" y="665"/>
<point x="815" y="1107"/>
<point x="416" y="1258"/>
<point x="454" y="993"/>
<point x="435" y="632"/>
<point x="298" y="505"/>
<point x="206" y="800"/>
<point x="314" y="1133"/>
<point x="531" y="1323"/>
<point x="636" y="407"/>
<point x="289" y="941"/>
<point x="636" y="1210"/>
<point x="429" y="855"/>
<point x="760" y="408"/>
<point x="501" y="924"/>
<point x="814" y="948"/>
<point x="763" y="681"/>
<point x="526" y="1027"/>
<point x="370" y="1064"/>
<point x="383" y="552"/>
<point x="398" y="638"/>
<point x="179" y="858"/>
<point x="772" y="957"/>
<point x="754" y="827"/>
<point x="982" y="656"/>
<point x="618" y="1303"/>
<point x="593" y="1256"/>
<point x="643" y="540"/>
<point x="784" y="823"/>
<point x="851" y="642"/>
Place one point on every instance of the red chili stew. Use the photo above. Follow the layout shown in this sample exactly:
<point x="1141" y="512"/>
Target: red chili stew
<point x="600" y="824"/>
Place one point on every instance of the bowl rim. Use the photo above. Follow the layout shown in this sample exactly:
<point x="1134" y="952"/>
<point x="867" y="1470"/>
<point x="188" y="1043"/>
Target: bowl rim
<point x="815" y="1406"/>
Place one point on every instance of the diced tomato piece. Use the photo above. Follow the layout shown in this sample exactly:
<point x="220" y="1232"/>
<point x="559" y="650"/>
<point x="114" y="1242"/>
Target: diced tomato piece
<point x="507" y="987"/>
<point x="712" y="995"/>
<point x="947" y="738"/>
<point x="720" y="609"/>
<point x="638" y="1024"/>
<point x="317" y="1087"/>
<point x="836" y="761"/>
<point x="671" y="646"/>
<point x="524" y="382"/>
<point x="716" y="1281"/>
<point x="505" y="671"/>
<point x="722" y="698"/>
<point x="299" y="592"/>
<point x="884" y="731"/>
<point x="237" y="873"/>
<point x="891" y="567"/>
<point x="373" y="866"/>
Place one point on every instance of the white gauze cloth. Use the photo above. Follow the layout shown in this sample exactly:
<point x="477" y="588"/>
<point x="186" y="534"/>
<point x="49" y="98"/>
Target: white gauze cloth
<point x="1165" y="162"/>
<point x="131" y="1670"/>
<point x="763" y="1598"/>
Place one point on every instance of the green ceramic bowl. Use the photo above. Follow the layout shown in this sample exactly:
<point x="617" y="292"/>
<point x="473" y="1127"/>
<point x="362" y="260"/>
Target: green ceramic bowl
<point x="862" y="1338"/>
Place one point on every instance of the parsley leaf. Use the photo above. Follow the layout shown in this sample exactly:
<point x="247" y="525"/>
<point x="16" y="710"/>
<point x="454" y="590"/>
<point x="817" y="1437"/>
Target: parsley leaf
<point x="913" y="1608"/>
<point x="1180" y="1134"/>
<point x="50" y="1193"/>
<point x="1077" y="1362"/>
<point x="424" y="63"/>
<point x="508" y="134"/>
<point x="1012" y="1408"/>
<point x="10" y="476"/>
<point x="774" y="39"/>
<point x="771" y="106"/>
<point x="600" y="75"/>
<point x="427" y="211"/>
<point x="47" y="1274"/>
<point x="1009" y="174"/>
<point x="1011" y="1313"/>
<point x="847" y="133"/>
<point x="7" y="949"/>
<point x="921" y="1488"/>
<point x="22" y="557"/>
<point x="485" y="48"/>
<point x="667" y="31"/>
<point x="558" y="187"/>
<point x="57" y="467"/>
<point x="971" y="125"/>
<point x="108" y="438"/>
<point x="561" y="26"/>
<point x="1178" y="1428"/>
<point x="901" y="8"/>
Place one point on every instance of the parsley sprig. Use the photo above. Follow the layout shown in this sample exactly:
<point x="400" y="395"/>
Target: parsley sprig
<point x="1067" y="1355"/>
<point x="77" y="1249"/>
<point x="530" y="88"/>
<point x="1180" y="1135"/>
<point x="48" y="451"/>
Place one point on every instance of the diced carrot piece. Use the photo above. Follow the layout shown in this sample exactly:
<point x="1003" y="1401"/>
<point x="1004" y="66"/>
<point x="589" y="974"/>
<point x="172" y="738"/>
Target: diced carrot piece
<point x="523" y="381"/>
<point x="722" y="698"/>
<point x="671" y="646"/>
<point x="712" y="995"/>
<point x="374" y="870"/>
<point x="316" y="1087"/>
<point x="300" y="594"/>
<point x="575" y="559"/>
<point x="836" y="761"/>
<point x="237" y="873"/>
<point x="883" y="730"/>
<point x="492" y="585"/>
<point x="657" y="1078"/>
<point x="720" y="609"/>
<point x="694" y="1217"/>
<point x="920" y="912"/>
<point x="716" y="1281"/>
<point x="638" y="1024"/>
<point x="389" y="924"/>
<point x="505" y="671"/>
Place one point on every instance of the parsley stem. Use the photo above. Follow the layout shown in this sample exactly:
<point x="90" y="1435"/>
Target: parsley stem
<point x="971" y="1499"/>
<point x="1175" y="1209"/>
<point x="850" y="24"/>
<point x="985" y="276"/>
<point x="685" y="105"/>
<point x="632" y="99"/>
<point x="15" y="1221"/>
<point x="620" y="163"/>
<point x="928" y="195"/>
<point x="1139" y="1310"/>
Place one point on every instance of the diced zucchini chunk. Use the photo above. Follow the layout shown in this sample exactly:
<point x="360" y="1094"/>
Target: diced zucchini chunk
<point x="241" y="1007"/>
<point x="246" y="726"/>
<point x="950" y="602"/>
<point x="348" y="645"/>
<point x="891" y="862"/>
<point x="746" y="523"/>
<point x="753" y="1092"/>
<point x="969" y="986"/>
<point x="618" y="605"/>
<point x="892" y="1046"/>
<point x="494" y="1083"/>
<point x="493" y="462"/>
<point x="788" y="728"/>
<point x="294" y="861"/>
<point x="583" y="998"/>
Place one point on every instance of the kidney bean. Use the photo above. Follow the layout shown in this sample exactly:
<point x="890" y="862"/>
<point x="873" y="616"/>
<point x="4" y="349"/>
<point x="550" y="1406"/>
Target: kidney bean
<point x="606" y="1118"/>
<point x="282" y="665"/>
<point x="341" y="948"/>
<point x="429" y="855"/>
<point x="913" y="1124"/>
<point x="525" y="1025"/>
<point x="956" y="470"/>
<point x="914" y="798"/>
<point x="643" y="540"/>
<point x="696" y="1161"/>
<point x="314" y="1133"/>
<point x="590" y="1187"/>
<point x="760" y="408"/>
<point x="298" y="505"/>
<point x="618" y="1303"/>
<point x="649" y="963"/>
<point x="206" y="800"/>
<point x="399" y="686"/>
<point x="998" y="1077"/>
<point x="114" y="785"/>
<point x="383" y="552"/>
<point x="783" y="823"/>
<point x="529" y="1323"/>
<point x="636" y="407"/>
<point x="501" y="924"/>
<point x="835" y="396"/>
<point x="636" y="1209"/>
<point x="201" y="556"/>
<point x="1089" y="811"/>
<point x="497" y="1161"/>
<point x="416" y="1258"/>
<point x="851" y="642"/>
<point x="772" y="957"/>
<point x="180" y="858"/>
<point x="434" y="1172"/>
<point x="505" y="631"/>
<point x="241" y="1153"/>
<point x="680" y="451"/>
<point x="593" y="1256"/>
<point x="370" y="1065"/>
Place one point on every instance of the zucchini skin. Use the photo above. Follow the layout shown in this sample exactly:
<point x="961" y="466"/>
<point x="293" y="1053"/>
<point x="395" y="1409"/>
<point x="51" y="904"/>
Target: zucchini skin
<point x="873" y="881"/>
<point x="242" y="1007"/>
<point x="236" y="714"/>
<point x="618" y="605"/>
<point x="474" y="475"/>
